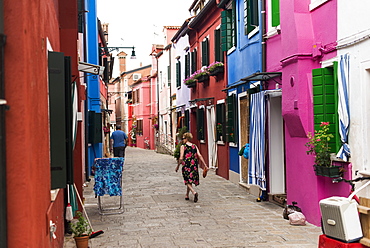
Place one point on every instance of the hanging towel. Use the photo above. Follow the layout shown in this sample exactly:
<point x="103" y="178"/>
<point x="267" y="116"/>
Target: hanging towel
<point x="108" y="174"/>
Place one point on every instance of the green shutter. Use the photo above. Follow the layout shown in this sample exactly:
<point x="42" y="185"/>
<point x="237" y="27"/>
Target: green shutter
<point x="226" y="28"/>
<point x="193" y="61"/>
<point x="200" y="124"/>
<point x="231" y="127"/>
<point x="186" y="119"/>
<point x="218" y="50"/>
<point x="325" y="102"/>
<point x="169" y="75"/>
<point x="205" y="52"/>
<point x="275" y="13"/>
<point x="57" y="115"/>
<point x="178" y="74"/>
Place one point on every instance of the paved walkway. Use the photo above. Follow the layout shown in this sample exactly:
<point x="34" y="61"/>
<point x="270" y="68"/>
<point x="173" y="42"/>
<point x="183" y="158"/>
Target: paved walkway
<point x="157" y="215"/>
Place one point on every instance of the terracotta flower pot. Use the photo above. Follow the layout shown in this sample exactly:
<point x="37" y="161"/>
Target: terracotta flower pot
<point x="82" y="242"/>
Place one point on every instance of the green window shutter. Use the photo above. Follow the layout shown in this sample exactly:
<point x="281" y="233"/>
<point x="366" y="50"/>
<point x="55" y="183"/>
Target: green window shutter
<point x="57" y="114"/>
<point x="275" y="13"/>
<point x="231" y="118"/>
<point x="325" y="102"/>
<point x="251" y="20"/>
<point x="187" y="119"/>
<point x="200" y="124"/>
<point x="169" y="75"/>
<point x="178" y="74"/>
<point x="205" y="52"/>
<point x="187" y="65"/>
<point x="218" y="49"/>
<point x="193" y="61"/>
<point x="226" y="28"/>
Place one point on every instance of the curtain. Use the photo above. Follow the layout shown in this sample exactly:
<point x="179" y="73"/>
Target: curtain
<point x="256" y="173"/>
<point x="343" y="106"/>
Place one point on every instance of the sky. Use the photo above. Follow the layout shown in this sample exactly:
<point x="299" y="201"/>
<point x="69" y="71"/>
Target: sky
<point x="139" y="23"/>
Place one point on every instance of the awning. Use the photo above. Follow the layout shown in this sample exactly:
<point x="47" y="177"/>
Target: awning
<point x="258" y="76"/>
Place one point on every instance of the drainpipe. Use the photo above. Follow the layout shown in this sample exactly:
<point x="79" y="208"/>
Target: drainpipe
<point x="263" y="40"/>
<point x="3" y="106"/>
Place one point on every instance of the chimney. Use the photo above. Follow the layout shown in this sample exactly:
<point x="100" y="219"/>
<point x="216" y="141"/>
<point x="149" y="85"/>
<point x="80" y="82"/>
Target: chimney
<point x="122" y="61"/>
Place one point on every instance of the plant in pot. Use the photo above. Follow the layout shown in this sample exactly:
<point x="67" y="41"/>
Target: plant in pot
<point x="215" y="68"/>
<point x="176" y="152"/>
<point x="201" y="75"/>
<point x="81" y="231"/>
<point x="318" y="145"/>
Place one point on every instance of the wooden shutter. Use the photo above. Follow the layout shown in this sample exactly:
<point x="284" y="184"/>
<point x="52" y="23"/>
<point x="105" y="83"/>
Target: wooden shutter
<point x="325" y="102"/>
<point x="187" y="65"/>
<point x="169" y="75"/>
<point x="275" y="13"/>
<point x="226" y="30"/>
<point x="205" y="52"/>
<point x="178" y="74"/>
<point x="218" y="49"/>
<point x="200" y="124"/>
<point x="231" y="118"/>
<point x="193" y="61"/>
<point x="57" y="114"/>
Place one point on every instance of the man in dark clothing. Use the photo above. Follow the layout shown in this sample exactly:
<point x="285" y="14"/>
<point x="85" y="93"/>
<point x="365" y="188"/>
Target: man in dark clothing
<point x="119" y="141"/>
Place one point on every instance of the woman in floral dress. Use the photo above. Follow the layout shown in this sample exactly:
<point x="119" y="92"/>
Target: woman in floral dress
<point x="189" y="155"/>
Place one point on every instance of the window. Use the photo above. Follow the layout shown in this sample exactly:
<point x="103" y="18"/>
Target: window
<point x="200" y="124"/>
<point x="231" y="118"/>
<point x="135" y="96"/>
<point x="228" y="28"/>
<point x="325" y="101"/>
<point x="178" y="74"/>
<point x="220" y="121"/>
<point x="251" y="16"/>
<point x="139" y="129"/>
<point x="205" y="52"/>
<point x="194" y="61"/>
<point x="218" y="49"/>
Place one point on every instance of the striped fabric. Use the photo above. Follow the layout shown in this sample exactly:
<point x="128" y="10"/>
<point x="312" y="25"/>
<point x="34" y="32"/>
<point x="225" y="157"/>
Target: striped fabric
<point x="256" y="164"/>
<point x="343" y="106"/>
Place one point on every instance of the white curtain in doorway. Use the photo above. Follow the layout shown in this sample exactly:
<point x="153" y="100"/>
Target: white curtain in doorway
<point x="256" y="173"/>
<point x="212" y="146"/>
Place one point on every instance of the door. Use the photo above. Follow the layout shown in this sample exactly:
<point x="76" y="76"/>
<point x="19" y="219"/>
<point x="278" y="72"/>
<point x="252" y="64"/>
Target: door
<point x="244" y="134"/>
<point x="276" y="146"/>
<point x="212" y="147"/>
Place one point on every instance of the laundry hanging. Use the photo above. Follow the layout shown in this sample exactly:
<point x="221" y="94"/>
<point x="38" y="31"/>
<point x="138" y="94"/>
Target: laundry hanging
<point x="343" y="106"/>
<point x="256" y="163"/>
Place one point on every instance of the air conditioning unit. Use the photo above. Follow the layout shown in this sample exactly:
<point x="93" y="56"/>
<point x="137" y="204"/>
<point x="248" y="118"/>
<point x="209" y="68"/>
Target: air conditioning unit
<point x="340" y="219"/>
<point x="136" y="76"/>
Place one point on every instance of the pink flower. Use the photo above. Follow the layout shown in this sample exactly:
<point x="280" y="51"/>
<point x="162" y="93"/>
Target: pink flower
<point x="324" y="124"/>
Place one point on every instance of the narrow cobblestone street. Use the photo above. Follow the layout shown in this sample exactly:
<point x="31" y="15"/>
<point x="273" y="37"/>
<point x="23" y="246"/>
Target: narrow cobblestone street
<point x="157" y="215"/>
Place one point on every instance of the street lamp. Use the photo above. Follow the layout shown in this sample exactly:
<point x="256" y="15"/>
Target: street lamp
<point x="107" y="50"/>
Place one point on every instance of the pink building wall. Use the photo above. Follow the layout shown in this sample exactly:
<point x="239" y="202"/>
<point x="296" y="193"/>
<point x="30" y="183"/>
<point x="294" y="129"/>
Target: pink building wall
<point x="293" y="53"/>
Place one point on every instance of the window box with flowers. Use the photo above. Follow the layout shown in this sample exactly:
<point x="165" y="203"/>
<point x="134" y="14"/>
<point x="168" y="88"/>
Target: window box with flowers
<point x="215" y="68"/>
<point x="190" y="82"/>
<point x="318" y="145"/>
<point x="201" y="75"/>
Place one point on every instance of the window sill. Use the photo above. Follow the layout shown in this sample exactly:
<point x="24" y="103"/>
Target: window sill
<point x="253" y="32"/>
<point x="274" y="31"/>
<point x="220" y="142"/>
<point x="53" y="194"/>
<point x="232" y="144"/>
<point x="316" y="3"/>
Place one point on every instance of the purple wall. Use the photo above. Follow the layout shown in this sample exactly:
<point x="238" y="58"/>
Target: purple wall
<point x="293" y="53"/>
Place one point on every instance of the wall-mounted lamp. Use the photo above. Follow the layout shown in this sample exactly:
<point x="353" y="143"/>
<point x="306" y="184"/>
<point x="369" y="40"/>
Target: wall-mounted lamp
<point x="107" y="50"/>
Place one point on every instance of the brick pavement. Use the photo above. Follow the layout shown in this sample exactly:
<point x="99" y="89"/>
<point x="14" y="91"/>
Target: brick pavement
<point x="157" y="215"/>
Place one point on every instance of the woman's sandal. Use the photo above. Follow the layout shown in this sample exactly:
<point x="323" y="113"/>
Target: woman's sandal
<point x="196" y="197"/>
<point x="187" y="198"/>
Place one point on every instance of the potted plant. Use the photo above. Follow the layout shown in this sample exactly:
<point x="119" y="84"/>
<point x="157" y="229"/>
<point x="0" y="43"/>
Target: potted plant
<point x="81" y="231"/>
<point x="318" y="145"/>
<point x="215" y="68"/>
<point x="176" y="152"/>
<point x="190" y="81"/>
<point x="201" y="75"/>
